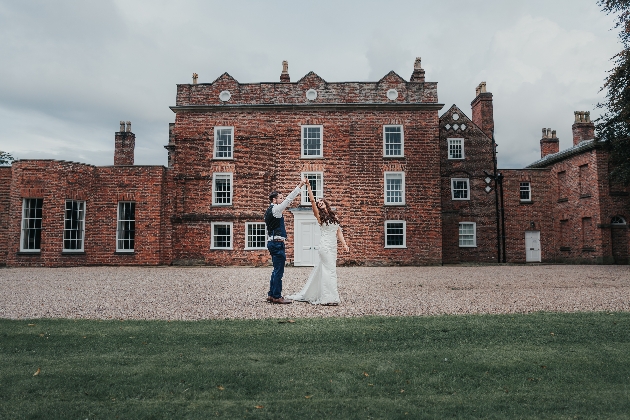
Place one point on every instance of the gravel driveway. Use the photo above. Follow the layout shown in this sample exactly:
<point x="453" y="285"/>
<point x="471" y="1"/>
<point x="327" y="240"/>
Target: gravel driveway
<point x="176" y="293"/>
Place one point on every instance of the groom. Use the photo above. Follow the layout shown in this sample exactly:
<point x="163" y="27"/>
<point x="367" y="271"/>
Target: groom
<point x="276" y="236"/>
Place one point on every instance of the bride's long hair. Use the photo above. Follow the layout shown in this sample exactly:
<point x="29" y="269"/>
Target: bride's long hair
<point x="326" y="214"/>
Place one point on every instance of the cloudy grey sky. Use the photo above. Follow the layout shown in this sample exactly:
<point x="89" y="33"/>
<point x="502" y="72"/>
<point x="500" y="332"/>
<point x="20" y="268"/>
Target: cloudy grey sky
<point x="72" y="69"/>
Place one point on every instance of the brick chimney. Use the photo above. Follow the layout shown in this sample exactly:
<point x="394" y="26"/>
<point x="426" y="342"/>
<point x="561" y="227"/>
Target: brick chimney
<point x="418" y="71"/>
<point x="583" y="128"/>
<point x="482" y="110"/>
<point x="284" y="76"/>
<point x="125" y="144"/>
<point x="549" y="143"/>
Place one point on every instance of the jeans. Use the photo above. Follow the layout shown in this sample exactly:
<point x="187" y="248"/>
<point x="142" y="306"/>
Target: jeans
<point x="278" y="258"/>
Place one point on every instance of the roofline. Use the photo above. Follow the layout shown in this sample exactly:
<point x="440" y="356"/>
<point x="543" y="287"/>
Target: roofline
<point x="308" y="107"/>
<point x="523" y="169"/>
<point x="572" y="151"/>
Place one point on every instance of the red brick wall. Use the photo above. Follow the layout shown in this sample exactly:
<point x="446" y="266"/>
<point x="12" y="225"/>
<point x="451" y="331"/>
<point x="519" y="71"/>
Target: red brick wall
<point x="101" y="188"/>
<point x="267" y="157"/>
<point x="5" y="185"/>
<point x="480" y="209"/>
<point x="578" y="197"/>
<point x="520" y="215"/>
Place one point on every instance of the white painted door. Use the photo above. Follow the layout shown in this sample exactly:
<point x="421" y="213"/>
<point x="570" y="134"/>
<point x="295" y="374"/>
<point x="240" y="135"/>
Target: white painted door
<point x="310" y="243"/>
<point x="306" y="240"/>
<point x="532" y="246"/>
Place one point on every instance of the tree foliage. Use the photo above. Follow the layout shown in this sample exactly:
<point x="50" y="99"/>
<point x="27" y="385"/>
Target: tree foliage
<point x="613" y="127"/>
<point x="6" y="158"/>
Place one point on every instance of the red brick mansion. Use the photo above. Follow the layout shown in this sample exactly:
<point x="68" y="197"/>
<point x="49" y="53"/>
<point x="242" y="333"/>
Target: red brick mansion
<point x="412" y="187"/>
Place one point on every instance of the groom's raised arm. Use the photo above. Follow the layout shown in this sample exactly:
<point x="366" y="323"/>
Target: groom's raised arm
<point x="279" y="208"/>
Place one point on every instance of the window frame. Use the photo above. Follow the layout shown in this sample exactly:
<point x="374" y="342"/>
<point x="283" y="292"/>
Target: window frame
<point x="451" y="140"/>
<point x="247" y="236"/>
<point x="23" y="228"/>
<point x="404" y="234"/>
<point x="402" y="141"/>
<point x="385" y="190"/>
<point x="214" y="188"/>
<point x="82" y="229"/>
<point x="304" y="200"/>
<point x="321" y="141"/>
<point x="618" y="222"/>
<point x="212" y="241"/>
<point x="474" y="234"/>
<point x="214" y="146"/>
<point x="529" y="192"/>
<point x="131" y="240"/>
<point x="467" y="198"/>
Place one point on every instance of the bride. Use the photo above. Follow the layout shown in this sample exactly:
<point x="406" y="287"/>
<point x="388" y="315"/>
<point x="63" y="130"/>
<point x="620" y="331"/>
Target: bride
<point x="321" y="286"/>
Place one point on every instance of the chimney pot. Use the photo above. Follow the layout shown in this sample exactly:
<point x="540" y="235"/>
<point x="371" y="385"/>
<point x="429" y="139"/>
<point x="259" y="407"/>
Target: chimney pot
<point x="418" y="71"/>
<point x="194" y="77"/>
<point x="122" y="127"/>
<point x="128" y="126"/>
<point x="284" y="76"/>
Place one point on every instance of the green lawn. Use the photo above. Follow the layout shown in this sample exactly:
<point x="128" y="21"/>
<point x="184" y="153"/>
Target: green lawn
<point x="543" y="365"/>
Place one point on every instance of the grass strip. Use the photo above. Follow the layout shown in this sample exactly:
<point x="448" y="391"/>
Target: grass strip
<point x="542" y="365"/>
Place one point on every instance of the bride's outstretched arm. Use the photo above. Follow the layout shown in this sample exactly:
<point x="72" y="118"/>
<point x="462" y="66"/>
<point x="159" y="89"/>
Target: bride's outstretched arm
<point x="342" y="239"/>
<point x="313" y="203"/>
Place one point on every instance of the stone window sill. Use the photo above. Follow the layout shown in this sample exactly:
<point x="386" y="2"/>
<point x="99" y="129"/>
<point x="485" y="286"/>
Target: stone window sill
<point x="588" y="249"/>
<point x="27" y="253"/>
<point x="125" y="253"/>
<point x="585" y="196"/>
<point x="563" y="200"/>
<point x="527" y="202"/>
<point x="565" y="248"/>
<point x="72" y="253"/>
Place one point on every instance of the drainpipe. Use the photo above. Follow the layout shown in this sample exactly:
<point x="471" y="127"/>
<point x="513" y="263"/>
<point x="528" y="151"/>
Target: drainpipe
<point x="500" y="179"/>
<point x="496" y="196"/>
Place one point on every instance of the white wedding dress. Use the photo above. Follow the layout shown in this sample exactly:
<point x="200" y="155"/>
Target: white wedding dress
<point x="321" y="286"/>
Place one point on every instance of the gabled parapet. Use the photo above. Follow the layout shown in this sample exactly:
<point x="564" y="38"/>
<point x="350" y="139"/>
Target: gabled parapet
<point x="310" y="90"/>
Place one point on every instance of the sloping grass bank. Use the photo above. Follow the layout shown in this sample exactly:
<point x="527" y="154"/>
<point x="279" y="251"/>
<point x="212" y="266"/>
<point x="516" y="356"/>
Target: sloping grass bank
<point x="540" y="365"/>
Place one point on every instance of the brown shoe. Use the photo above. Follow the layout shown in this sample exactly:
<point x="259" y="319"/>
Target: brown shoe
<point x="269" y="299"/>
<point x="281" y="300"/>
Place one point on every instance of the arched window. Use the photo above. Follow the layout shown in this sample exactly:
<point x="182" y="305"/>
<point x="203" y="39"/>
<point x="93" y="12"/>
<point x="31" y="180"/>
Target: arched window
<point x="618" y="220"/>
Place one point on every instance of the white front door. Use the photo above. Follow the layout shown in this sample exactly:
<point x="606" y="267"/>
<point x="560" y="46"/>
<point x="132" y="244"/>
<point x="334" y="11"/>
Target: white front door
<point x="306" y="240"/>
<point x="532" y="246"/>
